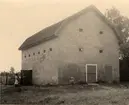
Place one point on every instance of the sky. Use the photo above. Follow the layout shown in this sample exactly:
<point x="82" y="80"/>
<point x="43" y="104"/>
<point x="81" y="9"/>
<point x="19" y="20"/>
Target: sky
<point x="20" y="19"/>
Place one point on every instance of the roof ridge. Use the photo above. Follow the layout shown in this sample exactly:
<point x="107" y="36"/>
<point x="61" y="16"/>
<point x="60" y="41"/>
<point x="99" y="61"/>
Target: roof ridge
<point x="54" y="28"/>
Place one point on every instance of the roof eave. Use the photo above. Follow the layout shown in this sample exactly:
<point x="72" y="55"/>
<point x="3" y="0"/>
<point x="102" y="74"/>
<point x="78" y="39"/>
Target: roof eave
<point x="37" y="43"/>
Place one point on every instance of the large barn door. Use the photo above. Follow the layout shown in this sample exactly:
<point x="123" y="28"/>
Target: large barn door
<point x="91" y="73"/>
<point x="26" y="77"/>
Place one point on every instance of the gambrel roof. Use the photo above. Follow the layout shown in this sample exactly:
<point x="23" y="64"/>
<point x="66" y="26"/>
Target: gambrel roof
<point x="50" y="32"/>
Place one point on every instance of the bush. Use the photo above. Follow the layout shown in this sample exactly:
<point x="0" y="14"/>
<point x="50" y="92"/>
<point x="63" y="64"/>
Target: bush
<point x="11" y="81"/>
<point x="100" y="81"/>
<point x="82" y="82"/>
<point x="115" y="82"/>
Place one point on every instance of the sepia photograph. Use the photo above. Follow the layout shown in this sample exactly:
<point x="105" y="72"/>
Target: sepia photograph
<point x="64" y="52"/>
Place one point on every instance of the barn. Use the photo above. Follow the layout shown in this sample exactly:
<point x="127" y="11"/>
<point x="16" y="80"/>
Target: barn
<point x="83" y="46"/>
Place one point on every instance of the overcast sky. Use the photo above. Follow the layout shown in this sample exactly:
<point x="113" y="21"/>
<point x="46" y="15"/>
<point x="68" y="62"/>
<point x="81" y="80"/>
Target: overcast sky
<point x="20" y="19"/>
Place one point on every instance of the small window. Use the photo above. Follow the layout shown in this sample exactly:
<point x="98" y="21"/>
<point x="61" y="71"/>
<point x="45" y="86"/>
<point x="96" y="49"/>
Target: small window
<point x="33" y="53"/>
<point x="25" y="56"/>
<point x="80" y="49"/>
<point x="44" y="51"/>
<point x="38" y="52"/>
<point x="100" y="51"/>
<point x="29" y="55"/>
<point x="50" y="49"/>
<point x="101" y="32"/>
<point x="80" y="30"/>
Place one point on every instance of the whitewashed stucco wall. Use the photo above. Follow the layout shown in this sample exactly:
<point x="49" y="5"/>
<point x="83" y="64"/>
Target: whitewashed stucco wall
<point x="65" y="49"/>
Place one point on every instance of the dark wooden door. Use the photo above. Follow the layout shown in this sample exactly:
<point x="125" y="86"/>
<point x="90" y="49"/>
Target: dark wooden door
<point x="108" y="73"/>
<point x="26" y="77"/>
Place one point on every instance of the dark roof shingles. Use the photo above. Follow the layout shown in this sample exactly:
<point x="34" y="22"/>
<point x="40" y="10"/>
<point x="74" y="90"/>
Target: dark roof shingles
<point x="40" y="37"/>
<point x="49" y="32"/>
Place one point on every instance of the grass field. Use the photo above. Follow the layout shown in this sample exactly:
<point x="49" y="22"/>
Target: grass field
<point x="67" y="95"/>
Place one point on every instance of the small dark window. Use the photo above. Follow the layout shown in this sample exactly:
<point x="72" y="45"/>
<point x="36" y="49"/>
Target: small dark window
<point x="101" y="51"/>
<point x="29" y="55"/>
<point x="44" y="51"/>
<point x="25" y="56"/>
<point x="38" y="52"/>
<point x="80" y="49"/>
<point x="80" y="30"/>
<point x="33" y="53"/>
<point x="50" y="49"/>
<point x="101" y="32"/>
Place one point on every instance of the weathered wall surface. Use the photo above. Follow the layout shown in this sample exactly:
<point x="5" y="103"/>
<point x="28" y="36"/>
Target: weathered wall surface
<point x="71" y="70"/>
<point x="44" y="65"/>
<point x="65" y="51"/>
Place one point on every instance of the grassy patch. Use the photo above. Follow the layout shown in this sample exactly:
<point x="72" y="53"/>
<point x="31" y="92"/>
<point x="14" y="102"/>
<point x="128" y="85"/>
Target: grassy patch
<point x="66" y="95"/>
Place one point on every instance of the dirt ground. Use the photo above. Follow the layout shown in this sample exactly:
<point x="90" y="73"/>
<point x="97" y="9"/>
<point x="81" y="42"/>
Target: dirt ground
<point x="67" y="95"/>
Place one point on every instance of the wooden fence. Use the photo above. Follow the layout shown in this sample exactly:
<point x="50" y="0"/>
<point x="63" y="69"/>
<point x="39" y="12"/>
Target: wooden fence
<point x="7" y="79"/>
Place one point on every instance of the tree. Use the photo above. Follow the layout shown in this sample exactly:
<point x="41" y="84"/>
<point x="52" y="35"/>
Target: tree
<point x="12" y="70"/>
<point x="4" y="73"/>
<point x="121" y="23"/>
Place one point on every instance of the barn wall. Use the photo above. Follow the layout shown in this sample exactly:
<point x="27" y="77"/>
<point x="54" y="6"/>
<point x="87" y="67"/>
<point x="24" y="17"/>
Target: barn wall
<point x="50" y="66"/>
<point x="43" y="65"/>
<point x="91" y="41"/>
<point x="71" y="70"/>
